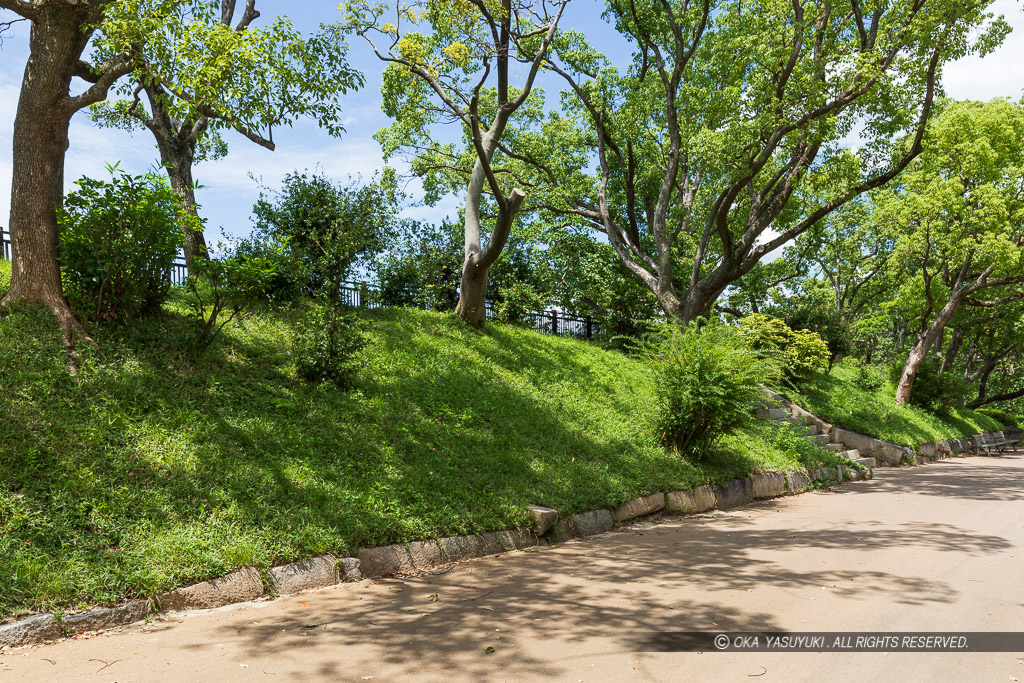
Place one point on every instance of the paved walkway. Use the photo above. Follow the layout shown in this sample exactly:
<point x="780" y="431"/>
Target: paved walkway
<point x="935" y="548"/>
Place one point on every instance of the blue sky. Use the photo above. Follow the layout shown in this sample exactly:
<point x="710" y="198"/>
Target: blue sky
<point x="229" y="192"/>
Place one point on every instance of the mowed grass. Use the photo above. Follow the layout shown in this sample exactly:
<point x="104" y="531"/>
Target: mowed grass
<point x="156" y="468"/>
<point x="838" y="399"/>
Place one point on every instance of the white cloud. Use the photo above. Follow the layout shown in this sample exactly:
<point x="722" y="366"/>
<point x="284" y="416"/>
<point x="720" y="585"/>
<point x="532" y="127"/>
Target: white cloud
<point x="999" y="74"/>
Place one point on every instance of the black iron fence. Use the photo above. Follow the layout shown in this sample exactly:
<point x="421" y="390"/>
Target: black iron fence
<point x="365" y="295"/>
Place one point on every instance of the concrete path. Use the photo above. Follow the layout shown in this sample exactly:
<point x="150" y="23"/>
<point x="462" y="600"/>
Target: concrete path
<point x="935" y="548"/>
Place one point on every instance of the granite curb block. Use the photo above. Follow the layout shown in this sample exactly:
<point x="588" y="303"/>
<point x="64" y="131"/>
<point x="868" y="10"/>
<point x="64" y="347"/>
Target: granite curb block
<point x="392" y="559"/>
<point x="543" y="518"/>
<point x="639" y="507"/>
<point x="885" y="453"/>
<point x="735" y="493"/>
<point x="797" y="482"/>
<point x="35" y="629"/>
<point x="691" y="501"/>
<point x="316" y="572"/>
<point x="100" y="619"/>
<point x="593" y="522"/>
<point x="351" y="569"/>
<point x="242" y="585"/>
<point x="769" y="485"/>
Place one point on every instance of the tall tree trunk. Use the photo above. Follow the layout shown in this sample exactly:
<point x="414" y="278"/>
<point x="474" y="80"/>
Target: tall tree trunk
<point x="40" y="142"/>
<point x="955" y="343"/>
<point x="472" y="306"/>
<point x="177" y="143"/>
<point x="924" y="344"/>
<point x="478" y="260"/>
<point x="179" y="172"/>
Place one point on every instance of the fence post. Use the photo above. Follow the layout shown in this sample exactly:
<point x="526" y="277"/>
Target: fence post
<point x="362" y="292"/>
<point x="554" y="322"/>
<point x="590" y="327"/>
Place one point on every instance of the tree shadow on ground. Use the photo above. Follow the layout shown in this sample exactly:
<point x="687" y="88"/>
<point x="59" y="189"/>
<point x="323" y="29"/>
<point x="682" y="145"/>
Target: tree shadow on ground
<point x="998" y="477"/>
<point x="606" y="594"/>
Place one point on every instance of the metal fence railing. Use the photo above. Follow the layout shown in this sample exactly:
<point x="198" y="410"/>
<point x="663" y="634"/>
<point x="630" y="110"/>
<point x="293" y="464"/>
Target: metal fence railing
<point x="364" y="295"/>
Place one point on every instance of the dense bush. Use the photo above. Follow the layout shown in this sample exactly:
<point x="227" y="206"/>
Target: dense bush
<point x="800" y="352"/>
<point x="323" y="229"/>
<point x="828" y="325"/>
<point x="517" y="301"/>
<point x="223" y="288"/>
<point x="1001" y="416"/>
<point x="327" y="347"/>
<point x="707" y="382"/>
<point x="870" y="377"/>
<point x="422" y="268"/>
<point x="117" y="243"/>
<point x="939" y="392"/>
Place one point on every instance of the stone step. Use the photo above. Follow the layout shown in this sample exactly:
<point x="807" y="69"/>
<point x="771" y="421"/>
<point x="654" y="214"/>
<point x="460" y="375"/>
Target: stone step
<point x="834" y="447"/>
<point x="818" y="439"/>
<point x="867" y="462"/>
<point x="772" y="413"/>
<point x="851" y="454"/>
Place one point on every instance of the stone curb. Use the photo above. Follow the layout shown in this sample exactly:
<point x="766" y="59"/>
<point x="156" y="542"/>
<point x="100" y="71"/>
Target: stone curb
<point x="242" y="585"/>
<point x="316" y="572"/>
<point x="246" y="584"/>
<point x="100" y="619"/>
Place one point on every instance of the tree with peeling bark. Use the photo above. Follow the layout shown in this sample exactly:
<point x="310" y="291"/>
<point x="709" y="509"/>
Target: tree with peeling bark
<point x="959" y="212"/>
<point x="474" y="63"/>
<point x="215" y="71"/>
<point x="724" y="139"/>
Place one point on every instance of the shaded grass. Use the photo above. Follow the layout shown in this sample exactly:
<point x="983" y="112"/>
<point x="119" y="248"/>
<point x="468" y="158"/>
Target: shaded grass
<point x="157" y="468"/>
<point x="838" y="399"/>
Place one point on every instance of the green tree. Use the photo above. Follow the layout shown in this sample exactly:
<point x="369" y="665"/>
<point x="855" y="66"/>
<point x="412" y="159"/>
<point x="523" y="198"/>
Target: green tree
<point x="959" y="213"/>
<point x="456" y="62"/>
<point x="61" y="32"/>
<point x="718" y="145"/>
<point x="215" y="71"/>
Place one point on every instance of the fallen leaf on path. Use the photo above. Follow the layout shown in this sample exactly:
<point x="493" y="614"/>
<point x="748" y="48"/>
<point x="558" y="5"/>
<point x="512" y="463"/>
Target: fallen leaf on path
<point x="432" y="597"/>
<point x="490" y="650"/>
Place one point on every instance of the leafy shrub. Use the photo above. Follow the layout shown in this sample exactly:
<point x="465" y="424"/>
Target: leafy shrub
<point x="423" y="267"/>
<point x="800" y="352"/>
<point x="328" y="346"/>
<point x="325" y="228"/>
<point x="933" y="390"/>
<point x="869" y="377"/>
<point x="229" y="284"/>
<point x="708" y="379"/>
<point x="517" y="301"/>
<point x="1001" y="416"/>
<point x="117" y="242"/>
<point x="283" y="286"/>
<point x="828" y="325"/>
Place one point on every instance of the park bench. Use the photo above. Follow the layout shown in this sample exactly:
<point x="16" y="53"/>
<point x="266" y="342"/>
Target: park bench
<point x="997" y="441"/>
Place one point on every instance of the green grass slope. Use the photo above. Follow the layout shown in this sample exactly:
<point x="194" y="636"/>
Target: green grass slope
<point x="155" y="469"/>
<point x="837" y="398"/>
